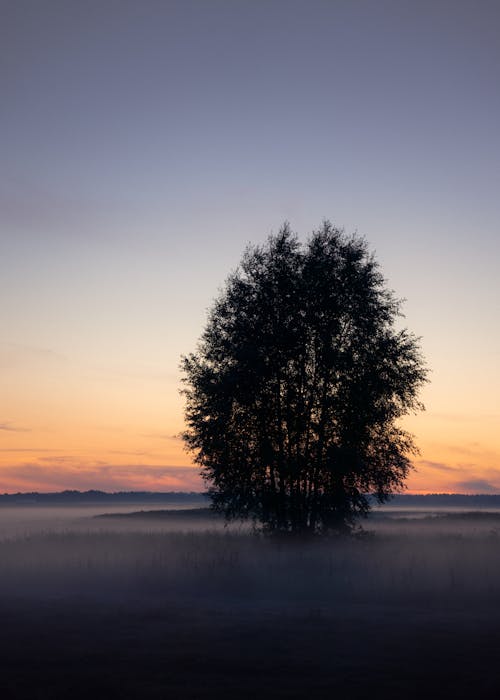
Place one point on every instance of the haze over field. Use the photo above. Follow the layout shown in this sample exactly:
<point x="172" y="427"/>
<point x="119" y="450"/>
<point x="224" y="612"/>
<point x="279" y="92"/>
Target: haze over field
<point x="146" y="143"/>
<point x="167" y="604"/>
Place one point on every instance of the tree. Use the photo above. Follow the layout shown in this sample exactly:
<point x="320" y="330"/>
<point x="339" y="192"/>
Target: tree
<point x="294" y="393"/>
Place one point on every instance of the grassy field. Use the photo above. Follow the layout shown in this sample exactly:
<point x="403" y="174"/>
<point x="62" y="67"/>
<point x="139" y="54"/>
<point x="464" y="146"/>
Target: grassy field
<point x="177" y="606"/>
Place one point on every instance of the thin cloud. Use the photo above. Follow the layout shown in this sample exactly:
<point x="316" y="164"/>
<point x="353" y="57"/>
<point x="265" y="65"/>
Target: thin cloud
<point x="140" y="374"/>
<point x="477" y="486"/>
<point x="438" y="466"/>
<point x="8" y="427"/>
<point x="130" y="453"/>
<point x="59" y="473"/>
<point x="465" y="417"/>
<point x="35" y="450"/>
<point x="71" y="461"/>
<point x="13" y="355"/>
<point x="28" y="206"/>
<point x="474" y="450"/>
<point x="161" y="436"/>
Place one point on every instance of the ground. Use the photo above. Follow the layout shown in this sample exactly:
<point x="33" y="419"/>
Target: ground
<point x="412" y="611"/>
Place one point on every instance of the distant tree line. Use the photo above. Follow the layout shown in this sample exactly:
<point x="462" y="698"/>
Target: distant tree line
<point x="448" y="499"/>
<point x="92" y="496"/>
<point x="175" y="497"/>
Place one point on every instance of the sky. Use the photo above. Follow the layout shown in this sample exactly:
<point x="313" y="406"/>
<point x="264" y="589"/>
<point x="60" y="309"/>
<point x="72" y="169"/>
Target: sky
<point x="145" y="143"/>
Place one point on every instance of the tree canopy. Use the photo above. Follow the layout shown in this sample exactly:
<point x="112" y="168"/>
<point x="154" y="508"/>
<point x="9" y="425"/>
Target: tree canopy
<point x="296" y="388"/>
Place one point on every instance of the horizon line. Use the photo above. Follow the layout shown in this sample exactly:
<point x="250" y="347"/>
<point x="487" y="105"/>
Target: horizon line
<point x="205" y="493"/>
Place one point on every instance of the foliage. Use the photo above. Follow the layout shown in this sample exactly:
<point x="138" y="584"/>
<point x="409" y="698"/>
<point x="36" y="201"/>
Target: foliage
<point x="295" y="390"/>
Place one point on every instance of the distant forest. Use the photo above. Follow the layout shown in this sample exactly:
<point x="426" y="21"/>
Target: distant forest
<point x="96" y="497"/>
<point x="179" y="497"/>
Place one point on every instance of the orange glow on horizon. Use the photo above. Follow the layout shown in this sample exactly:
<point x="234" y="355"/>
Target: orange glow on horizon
<point x="71" y="429"/>
<point x="454" y="457"/>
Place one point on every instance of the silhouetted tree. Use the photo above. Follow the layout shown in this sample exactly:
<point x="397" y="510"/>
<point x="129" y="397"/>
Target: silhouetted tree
<point x="298" y="382"/>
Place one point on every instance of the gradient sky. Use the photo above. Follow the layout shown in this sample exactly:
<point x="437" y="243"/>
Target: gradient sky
<point x="146" y="142"/>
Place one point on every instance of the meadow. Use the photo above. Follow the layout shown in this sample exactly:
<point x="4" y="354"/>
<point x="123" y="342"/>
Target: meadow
<point x="156" y="605"/>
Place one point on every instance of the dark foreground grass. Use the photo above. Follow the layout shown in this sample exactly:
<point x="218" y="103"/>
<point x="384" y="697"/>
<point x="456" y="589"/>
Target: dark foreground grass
<point x="185" y="615"/>
<point x="79" y="649"/>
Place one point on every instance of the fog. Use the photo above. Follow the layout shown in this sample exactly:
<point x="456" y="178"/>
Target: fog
<point x="438" y="558"/>
<point x="177" y="604"/>
<point x="24" y="520"/>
